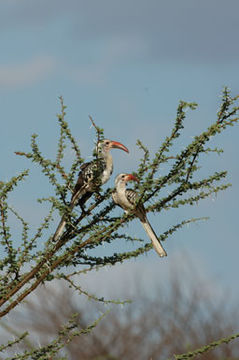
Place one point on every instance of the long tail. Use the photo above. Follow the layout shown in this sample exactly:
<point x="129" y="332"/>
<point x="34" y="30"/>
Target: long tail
<point x="59" y="230"/>
<point x="153" y="237"/>
<point x="62" y="224"/>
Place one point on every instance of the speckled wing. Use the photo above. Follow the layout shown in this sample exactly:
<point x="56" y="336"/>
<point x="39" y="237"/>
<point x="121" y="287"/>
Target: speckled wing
<point x="132" y="197"/>
<point x="90" y="175"/>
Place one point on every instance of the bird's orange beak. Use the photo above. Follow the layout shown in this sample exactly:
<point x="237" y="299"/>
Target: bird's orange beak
<point x="131" y="177"/>
<point x="118" y="145"/>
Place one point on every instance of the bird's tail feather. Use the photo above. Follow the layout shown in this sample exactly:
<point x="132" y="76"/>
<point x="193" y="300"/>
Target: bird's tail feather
<point x="61" y="226"/>
<point x="59" y="230"/>
<point x="153" y="237"/>
<point x="77" y="196"/>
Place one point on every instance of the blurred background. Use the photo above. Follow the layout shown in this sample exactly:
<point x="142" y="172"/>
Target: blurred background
<point x="168" y="316"/>
<point x="127" y="64"/>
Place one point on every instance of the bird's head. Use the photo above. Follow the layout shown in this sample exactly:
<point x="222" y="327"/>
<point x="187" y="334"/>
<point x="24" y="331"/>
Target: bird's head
<point x="124" y="178"/>
<point x="106" y="145"/>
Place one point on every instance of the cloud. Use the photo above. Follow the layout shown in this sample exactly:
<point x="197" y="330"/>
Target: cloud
<point x="102" y="63"/>
<point x="21" y="75"/>
<point x="15" y="14"/>
<point x="187" y="31"/>
<point x="173" y="30"/>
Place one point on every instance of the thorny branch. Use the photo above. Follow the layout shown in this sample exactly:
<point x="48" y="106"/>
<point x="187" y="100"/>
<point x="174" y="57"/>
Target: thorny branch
<point x="89" y="230"/>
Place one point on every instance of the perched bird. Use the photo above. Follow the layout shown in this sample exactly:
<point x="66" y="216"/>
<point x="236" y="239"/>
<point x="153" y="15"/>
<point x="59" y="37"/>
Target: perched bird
<point x="92" y="175"/>
<point x="126" y="198"/>
<point x="97" y="172"/>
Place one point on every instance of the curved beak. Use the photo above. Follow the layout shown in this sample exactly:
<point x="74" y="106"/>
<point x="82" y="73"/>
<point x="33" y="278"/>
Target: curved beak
<point x="131" y="177"/>
<point x="118" y="145"/>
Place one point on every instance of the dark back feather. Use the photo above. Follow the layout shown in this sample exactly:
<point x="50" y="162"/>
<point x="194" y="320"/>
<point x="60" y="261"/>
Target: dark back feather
<point x="90" y="173"/>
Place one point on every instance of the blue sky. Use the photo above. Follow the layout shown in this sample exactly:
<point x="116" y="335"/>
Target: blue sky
<point x="127" y="63"/>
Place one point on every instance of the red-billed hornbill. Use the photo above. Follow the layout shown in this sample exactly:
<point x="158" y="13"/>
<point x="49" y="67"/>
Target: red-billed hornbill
<point x="126" y="198"/>
<point x="92" y="175"/>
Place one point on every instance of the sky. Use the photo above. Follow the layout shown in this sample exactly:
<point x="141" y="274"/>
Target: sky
<point x="127" y="64"/>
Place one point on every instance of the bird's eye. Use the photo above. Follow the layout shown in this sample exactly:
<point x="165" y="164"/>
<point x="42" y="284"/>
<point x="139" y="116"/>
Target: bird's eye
<point x="107" y="143"/>
<point x="122" y="177"/>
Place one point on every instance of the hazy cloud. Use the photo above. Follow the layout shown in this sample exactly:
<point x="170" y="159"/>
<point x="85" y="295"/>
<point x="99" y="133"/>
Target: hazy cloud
<point x="185" y="30"/>
<point x="12" y="76"/>
<point x="204" y="31"/>
<point x="99" y="68"/>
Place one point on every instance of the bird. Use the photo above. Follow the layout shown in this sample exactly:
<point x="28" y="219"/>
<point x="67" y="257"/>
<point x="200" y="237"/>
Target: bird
<point x="126" y="199"/>
<point x="92" y="175"/>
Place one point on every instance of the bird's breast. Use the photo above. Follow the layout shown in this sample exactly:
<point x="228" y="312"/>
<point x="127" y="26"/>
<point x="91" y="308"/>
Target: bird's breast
<point x="107" y="172"/>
